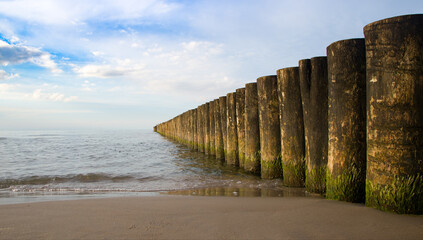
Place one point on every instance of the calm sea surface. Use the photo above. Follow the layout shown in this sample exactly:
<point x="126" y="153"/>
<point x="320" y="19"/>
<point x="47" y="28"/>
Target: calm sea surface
<point x="54" y="165"/>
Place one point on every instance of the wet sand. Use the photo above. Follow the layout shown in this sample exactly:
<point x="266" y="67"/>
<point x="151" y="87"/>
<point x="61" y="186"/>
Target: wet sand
<point x="188" y="217"/>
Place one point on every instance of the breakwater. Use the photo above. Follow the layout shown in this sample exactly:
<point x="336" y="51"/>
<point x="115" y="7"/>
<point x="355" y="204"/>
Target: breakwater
<point x="348" y="125"/>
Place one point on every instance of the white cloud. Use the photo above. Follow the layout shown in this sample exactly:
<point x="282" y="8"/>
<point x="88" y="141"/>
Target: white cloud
<point x="38" y="94"/>
<point x="16" y="54"/>
<point x="5" y="87"/>
<point x="5" y="76"/>
<point x="117" y="68"/>
<point x="70" y="99"/>
<point x="45" y="61"/>
<point x="97" y="53"/>
<point x="43" y="92"/>
<point x="87" y="86"/>
<point x="190" y="70"/>
<point x="206" y="48"/>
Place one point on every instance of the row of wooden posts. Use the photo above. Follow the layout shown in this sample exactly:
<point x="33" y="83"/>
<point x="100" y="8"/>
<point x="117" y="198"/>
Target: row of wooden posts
<point x="349" y="125"/>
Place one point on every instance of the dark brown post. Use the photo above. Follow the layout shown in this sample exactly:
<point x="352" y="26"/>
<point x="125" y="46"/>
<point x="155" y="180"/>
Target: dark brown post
<point x="207" y="128"/>
<point x="394" y="56"/>
<point x="195" y="130"/>
<point x="270" y="137"/>
<point x="232" y="142"/>
<point x="220" y="153"/>
<point x="200" y="114"/>
<point x="292" y="127"/>
<point x="222" y="108"/>
<point x="252" y="131"/>
<point x="314" y="95"/>
<point x="212" y="130"/>
<point x="346" y="174"/>
<point x="240" y="124"/>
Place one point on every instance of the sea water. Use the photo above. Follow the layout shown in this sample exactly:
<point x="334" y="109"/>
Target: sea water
<point x="51" y="165"/>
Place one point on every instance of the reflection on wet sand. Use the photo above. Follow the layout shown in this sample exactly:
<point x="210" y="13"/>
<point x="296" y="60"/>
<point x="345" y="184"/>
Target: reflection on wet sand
<point x="243" y="192"/>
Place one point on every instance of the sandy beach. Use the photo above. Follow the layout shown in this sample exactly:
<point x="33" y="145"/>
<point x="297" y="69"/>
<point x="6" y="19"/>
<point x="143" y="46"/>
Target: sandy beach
<point x="188" y="217"/>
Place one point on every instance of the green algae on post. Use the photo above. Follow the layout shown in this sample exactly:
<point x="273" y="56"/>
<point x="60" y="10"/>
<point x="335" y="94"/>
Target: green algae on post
<point x="346" y="186"/>
<point x="404" y="195"/>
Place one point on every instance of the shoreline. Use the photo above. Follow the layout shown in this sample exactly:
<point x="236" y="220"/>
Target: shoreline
<point x="10" y="197"/>
<point x="189" y="217"/>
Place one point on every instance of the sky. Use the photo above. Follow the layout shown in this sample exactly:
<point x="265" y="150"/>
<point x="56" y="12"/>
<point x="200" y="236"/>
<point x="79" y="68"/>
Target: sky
<point x="131" y="64"/>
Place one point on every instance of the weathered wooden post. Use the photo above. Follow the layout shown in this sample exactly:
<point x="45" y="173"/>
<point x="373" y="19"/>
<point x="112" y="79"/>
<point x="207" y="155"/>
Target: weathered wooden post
<point x="178" y="129"/>
<point x="195" y="130"/>
<point x="220" y="153"/>
<point x="240" y="124"/>
<point x="206" y="128"/>
<point x="200" y="125"/>
<point x="222" y="108"/>
<point x="346" y="173"/>
<point x="231" y="156"/>
<point x="178" y="132"/>
<point x="187" y="129"/>
<point x="292" y="127"/>
<point x="394" y="57"/>
<point x="252" y="131"/>
<point x="169" y="128"/>
<point x="314" y="96"/>
<point x="181" y="127"/>
<point x="191" y="128"/>
<point x="270" y="137"/>
<point x="183" y="124"/>
<point x="174" y="128"/>
<point x="212" y="130"/>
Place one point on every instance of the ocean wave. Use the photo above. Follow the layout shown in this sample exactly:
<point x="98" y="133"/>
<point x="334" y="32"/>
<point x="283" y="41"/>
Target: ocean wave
<point x="45" y="135"/>
<point x="83" y="178"/>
